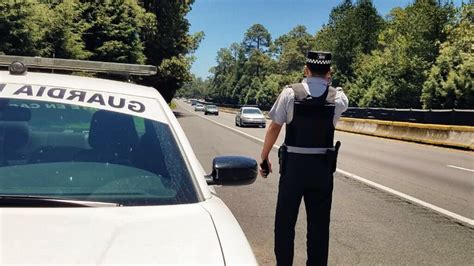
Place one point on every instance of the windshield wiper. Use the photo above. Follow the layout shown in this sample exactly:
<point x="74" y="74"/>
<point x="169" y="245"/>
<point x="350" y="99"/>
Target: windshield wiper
<point x="41" y="201"/>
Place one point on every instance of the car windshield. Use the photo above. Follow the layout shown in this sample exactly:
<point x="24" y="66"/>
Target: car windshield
<point x="211" y="107"/>
<point x="73" y="152"/>
<point x="252" y="111"/>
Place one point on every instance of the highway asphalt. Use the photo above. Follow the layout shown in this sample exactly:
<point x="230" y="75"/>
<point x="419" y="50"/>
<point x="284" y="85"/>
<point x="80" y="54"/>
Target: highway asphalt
<point x="368" y="226"/>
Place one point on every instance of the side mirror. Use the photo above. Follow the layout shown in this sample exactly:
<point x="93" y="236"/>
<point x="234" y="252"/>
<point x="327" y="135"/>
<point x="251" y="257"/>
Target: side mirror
<point x="232" y="171"/>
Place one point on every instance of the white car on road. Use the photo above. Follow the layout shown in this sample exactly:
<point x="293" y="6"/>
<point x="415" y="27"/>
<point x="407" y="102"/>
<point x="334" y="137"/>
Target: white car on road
<point x="94" y="171"/>
<point x="250" y="116"/>
<point x="199" y="107"/>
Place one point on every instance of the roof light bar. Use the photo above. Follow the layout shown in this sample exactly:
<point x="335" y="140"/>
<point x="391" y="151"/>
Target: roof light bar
<point x="79" y="65"/>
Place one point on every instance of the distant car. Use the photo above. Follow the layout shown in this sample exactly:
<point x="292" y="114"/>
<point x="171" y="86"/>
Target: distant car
<point x="250" y="116"/>
<point x="100" y="172"/>
<point x="193" y="102"/>
<point x="211" y="109"/>
<point x="199" y="107"/>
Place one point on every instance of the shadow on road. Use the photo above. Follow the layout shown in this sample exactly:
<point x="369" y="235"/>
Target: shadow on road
<point x="179" y="114"/>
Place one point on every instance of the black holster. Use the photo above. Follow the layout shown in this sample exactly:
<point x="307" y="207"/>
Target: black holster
<point x="332" y="156"/>
<point x="282" y="156"/>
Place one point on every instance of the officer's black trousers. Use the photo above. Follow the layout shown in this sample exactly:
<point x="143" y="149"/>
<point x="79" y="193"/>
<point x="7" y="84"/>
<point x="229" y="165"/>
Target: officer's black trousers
<point x="308" y="177"/>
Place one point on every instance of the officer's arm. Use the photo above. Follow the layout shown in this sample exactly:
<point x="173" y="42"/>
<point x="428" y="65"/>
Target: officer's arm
<point x="270" y="139"/>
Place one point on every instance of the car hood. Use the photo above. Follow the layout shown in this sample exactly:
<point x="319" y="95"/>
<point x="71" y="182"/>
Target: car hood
<point x="180" y="234"/>
<point x="253" y="116"/>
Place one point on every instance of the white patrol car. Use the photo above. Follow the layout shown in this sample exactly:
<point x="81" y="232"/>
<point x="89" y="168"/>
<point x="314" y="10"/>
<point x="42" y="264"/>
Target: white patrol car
<point x="95" y="171"/>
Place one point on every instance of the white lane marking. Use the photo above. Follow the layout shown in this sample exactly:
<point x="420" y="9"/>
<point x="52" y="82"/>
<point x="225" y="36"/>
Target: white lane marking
<point x="408" y="197"/>
<point x="460" y="168"/>
<point x="453" y="215"/>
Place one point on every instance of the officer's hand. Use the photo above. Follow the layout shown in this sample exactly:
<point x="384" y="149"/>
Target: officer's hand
<point x="265" y="168"/>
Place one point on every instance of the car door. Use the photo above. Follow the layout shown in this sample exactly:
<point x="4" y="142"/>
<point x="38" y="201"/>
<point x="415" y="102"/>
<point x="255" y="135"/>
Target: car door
<point x="238" y="116"/>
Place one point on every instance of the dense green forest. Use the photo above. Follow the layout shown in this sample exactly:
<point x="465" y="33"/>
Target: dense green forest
<point x="127" y="31"/>
<point x="419" y="56"/>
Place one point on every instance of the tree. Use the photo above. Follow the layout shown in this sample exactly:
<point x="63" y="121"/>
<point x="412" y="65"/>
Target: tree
<point x="23" y="28"/>
<point x="197" y="88"/>
<point x="269" y="90"/>
<point x="292" y="49"/>
<point x="170" y="45"/>
<point x="145" y="31"/>
<point x="367" y="26"/>
<point x="351" y="32"/>
<point x="223" y="73"/>
<point x="240" y="69"/>
<point x="393" y="75"/>
<point x="449" y="84"/>
<point x="258" y="64"/>
<point x="227" y="73"/>
<point x="241" y="88"/>
<point x="256" y="41"/>
<point x="114" y="32"/>
<point x="40" y="28"/>
<point x="257" y="37"/>
<point x="381" y="63"/>
<point x="67" y="29"/>
<point x="251" y="95"/>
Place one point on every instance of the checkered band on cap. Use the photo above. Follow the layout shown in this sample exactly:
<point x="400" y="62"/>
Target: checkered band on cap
<point x="318" y="62"/>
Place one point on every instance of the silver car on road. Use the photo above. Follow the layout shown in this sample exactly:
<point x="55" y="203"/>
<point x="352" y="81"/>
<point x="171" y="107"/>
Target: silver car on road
<point x="250" y="116"/>
<point x="199" y="108"/>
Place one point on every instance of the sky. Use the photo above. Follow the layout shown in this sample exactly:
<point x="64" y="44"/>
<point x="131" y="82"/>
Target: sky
<point x="226" y="21"/>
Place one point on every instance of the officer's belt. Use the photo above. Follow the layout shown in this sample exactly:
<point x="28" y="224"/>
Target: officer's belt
<point x="304" y="150"/>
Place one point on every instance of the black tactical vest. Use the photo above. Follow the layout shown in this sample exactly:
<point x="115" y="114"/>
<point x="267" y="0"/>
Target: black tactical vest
<point x="312" y="125"/>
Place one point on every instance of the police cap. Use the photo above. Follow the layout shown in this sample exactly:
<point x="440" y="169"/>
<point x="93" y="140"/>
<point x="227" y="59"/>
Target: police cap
<point x="318" y="58"/>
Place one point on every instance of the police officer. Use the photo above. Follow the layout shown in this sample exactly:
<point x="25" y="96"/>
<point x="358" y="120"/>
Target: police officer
<point x="310" y="110"/>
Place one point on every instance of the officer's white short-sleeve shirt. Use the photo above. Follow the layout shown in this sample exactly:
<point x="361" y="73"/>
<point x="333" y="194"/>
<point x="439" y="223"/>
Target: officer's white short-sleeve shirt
<point x="282" y="110"/>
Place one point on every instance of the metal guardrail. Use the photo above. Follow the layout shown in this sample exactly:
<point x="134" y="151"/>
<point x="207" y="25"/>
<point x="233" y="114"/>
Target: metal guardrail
<point x="433" y="116"/>
<point x="458" y="117"/>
